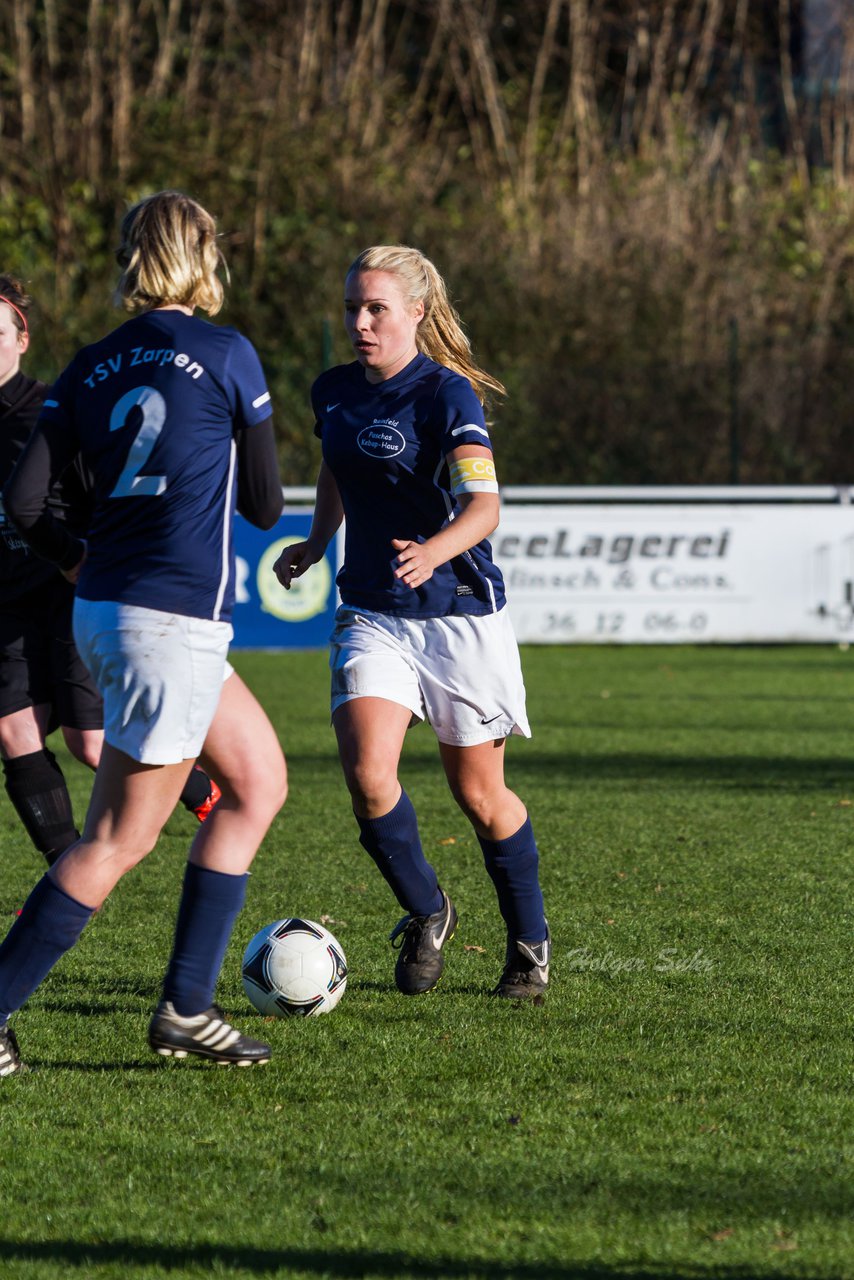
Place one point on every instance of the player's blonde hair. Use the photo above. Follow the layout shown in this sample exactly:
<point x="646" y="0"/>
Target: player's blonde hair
<point x="440" y="334"/>
<point x="169" y="254"/>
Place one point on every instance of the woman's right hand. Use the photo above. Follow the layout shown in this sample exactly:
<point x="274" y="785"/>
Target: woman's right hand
<point x="295" y="560"/>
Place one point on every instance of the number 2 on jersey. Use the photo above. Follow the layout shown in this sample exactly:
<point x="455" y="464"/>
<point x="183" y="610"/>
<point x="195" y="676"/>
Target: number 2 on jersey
<point x="152" y="407"/>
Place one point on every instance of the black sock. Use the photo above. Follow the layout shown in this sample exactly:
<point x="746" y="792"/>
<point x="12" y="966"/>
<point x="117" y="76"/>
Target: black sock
<point x="36" y="786"/>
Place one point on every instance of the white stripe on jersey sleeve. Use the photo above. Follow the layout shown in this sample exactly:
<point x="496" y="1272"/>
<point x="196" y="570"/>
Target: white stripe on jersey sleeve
<point x="256" y="404"/>
<point x="470" y="426"/>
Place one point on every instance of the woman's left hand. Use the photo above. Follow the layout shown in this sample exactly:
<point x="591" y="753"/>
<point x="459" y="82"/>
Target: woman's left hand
<point x="71" y="575"/>
<point x="415" y="564"/>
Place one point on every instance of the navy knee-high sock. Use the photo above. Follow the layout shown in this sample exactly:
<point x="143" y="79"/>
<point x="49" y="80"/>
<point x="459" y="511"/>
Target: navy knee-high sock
<point x="48" y="926"/>
<point x="210" y="904"/>
<point x="395" y="846"/>
<point x="512" y="865"/>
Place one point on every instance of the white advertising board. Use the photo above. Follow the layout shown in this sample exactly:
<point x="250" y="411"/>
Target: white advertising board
<point x="674" y="573"/>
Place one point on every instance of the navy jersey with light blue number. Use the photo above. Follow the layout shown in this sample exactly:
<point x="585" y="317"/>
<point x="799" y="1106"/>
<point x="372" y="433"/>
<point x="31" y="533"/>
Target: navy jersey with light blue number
<point x="154" y="407"/>
<point x="386" y="444"/>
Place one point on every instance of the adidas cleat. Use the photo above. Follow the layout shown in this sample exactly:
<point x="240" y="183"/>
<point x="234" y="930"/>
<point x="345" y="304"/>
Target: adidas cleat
<point x="10" y="1057"/>
<point x="526" y="969"/>
<point x="207" y="1035"/>
<point x="420" y="963"/>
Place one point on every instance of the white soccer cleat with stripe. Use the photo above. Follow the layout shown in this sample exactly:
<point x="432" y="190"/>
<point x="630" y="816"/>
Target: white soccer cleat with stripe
<point x="207" y="1035"/>
<point x="10" y="1058"/>
<point x="526" y="969"/>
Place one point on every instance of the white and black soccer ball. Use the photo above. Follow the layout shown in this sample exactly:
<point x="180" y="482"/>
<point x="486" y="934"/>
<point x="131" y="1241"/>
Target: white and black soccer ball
<point x="294" y="968"/>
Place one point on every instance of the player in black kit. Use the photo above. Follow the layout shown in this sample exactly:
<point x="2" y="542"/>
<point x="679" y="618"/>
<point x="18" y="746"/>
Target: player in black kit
<point x="44" y="684"/>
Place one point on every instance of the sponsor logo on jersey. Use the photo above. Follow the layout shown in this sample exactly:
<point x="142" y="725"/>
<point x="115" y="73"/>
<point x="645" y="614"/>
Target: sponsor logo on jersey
<point x="381" y="439"/>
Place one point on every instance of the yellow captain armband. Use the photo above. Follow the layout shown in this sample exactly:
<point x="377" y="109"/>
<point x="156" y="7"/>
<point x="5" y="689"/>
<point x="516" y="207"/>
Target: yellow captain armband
<point x="473" y="475"/>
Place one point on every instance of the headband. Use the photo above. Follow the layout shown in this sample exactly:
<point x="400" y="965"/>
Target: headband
<point x="10" y="303"/>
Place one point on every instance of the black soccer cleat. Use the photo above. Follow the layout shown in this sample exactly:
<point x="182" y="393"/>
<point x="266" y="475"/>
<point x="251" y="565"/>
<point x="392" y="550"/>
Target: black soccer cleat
<point x="10" y="1058"/>
<point x="420" y="963"/>
<point x="206" y="1034"/>
<point x="526" y="969"/>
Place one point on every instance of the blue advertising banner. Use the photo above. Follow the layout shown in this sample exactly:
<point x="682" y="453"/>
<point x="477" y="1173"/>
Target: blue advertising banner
<point x="265" y="615"/>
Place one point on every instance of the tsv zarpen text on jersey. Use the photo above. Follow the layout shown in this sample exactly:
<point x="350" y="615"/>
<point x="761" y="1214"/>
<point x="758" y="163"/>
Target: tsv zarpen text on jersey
<point x="144" y="355"/>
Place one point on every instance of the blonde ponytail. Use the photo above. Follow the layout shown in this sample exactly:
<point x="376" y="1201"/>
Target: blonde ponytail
<point x="440" y="334"/>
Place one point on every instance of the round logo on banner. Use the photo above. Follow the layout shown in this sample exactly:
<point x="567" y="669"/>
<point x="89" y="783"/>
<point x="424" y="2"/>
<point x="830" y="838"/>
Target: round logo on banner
<point x="307" y="596"/>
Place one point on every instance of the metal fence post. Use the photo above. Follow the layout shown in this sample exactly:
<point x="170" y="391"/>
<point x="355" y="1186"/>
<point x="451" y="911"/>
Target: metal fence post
<point x="734" y="424"/>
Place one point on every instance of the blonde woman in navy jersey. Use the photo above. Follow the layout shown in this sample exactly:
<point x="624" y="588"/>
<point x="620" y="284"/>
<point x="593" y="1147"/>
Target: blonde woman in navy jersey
<point x="171" y="416"/>
<point x="422" y="632"/>
<point x="43" y="682"/>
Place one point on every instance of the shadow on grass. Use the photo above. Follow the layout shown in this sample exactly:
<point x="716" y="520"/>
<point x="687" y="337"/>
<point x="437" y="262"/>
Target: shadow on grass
<point x="337" y="1262"/>
<point x="745" y="773"/>
<point x="93" y="1008"/>
<point x="102" y="1068"/>
<point x="666" y="698"/>
<point x="73" y="994"/>
<point x="448" y="987"/>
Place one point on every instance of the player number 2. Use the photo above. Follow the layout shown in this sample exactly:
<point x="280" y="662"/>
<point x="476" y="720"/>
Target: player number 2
<point x="152" y="407"/>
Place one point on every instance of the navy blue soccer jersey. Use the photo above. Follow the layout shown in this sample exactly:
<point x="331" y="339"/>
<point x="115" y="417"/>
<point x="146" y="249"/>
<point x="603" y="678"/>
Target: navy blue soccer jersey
<point x="386" y="445"/>
<point x="154" y="408"/>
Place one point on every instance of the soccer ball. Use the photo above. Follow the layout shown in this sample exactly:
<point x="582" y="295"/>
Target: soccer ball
<point x="294" y="968"/>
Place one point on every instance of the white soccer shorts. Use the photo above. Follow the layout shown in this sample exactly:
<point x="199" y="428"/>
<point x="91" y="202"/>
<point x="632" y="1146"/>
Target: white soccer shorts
<point x="160" y="675"/>
<point x="461" y="674"/>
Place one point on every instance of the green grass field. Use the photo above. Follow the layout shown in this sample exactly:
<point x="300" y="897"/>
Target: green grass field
<point x="680" y="1105"/>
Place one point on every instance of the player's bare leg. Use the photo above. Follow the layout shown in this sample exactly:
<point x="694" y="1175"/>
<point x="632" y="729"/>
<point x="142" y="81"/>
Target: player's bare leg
<point x="23" y="731"/>
<point x="129" y="806"/>
<point x="242" y="749"/>
<point x="476" y="778"/>
<point x="242" y="752"/>
<point x="85" y="745"/>
<point x="198" y="796"/>
<point x="370" y="735"/>
<point x="130" y="802"/>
